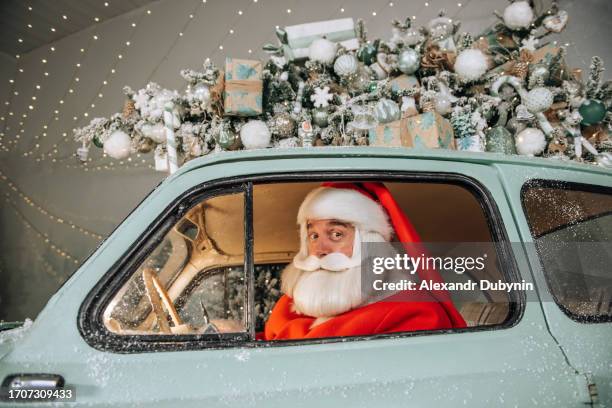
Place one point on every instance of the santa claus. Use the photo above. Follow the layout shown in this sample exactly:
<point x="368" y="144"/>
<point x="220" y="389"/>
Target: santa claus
<point x="322" y="293"/>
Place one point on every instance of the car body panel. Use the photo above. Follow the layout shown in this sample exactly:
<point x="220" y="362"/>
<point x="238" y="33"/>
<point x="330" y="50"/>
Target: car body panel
<point x="516" y="366"/>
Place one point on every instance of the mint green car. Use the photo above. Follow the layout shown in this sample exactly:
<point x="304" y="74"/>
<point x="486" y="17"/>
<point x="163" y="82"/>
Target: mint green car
<point x="169" y="310"/>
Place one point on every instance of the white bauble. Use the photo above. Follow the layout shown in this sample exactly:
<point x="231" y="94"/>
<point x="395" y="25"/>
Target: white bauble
<point x="518" y="15"/>
<point x="118" y="145"/>
<point x="530" y="141"/>
<point x="201" y="92"/>
<point x="346" y="65"/>
<point x="538" y="99"/>
<point x="471" y="64"/>
<point x="156" y="132"/>
<point x="255" y="135"/>
<point x="443" y="104"/>
<point x="387" y="111"/>
<point x="322" y="50"/>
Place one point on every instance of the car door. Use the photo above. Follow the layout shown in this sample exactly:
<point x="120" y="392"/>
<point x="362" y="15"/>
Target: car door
<point x="580" y="202"/>
<point x="514" y="364"/>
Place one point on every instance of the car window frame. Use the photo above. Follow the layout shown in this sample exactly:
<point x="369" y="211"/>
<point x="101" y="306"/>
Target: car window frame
<point x="573" y="186"/>
<point x="96" y="334"/>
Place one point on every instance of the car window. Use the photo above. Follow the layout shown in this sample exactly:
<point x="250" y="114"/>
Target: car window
<point x="572" y="228"/>
<point x="202" y="255"/>
<point x="428" y="204"/>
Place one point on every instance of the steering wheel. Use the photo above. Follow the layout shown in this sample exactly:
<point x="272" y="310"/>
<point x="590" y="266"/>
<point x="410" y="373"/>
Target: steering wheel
<point x="158" y="297"/>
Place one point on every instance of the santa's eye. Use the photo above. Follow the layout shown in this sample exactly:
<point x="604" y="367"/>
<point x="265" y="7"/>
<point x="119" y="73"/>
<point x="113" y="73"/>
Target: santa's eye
<point x="313" y="236"/>
<point x="336" y="235"/>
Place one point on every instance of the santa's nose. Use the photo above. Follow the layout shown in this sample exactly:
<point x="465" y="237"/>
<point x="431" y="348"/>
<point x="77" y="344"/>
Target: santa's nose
<point x="323" y="247"/>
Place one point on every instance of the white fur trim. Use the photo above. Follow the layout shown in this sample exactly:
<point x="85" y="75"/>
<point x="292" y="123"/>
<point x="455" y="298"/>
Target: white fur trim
<point x="471" y="64"/>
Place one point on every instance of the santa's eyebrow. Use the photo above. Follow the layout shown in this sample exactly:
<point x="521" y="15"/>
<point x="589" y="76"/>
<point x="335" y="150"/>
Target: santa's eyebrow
<point x="339" y="223"/>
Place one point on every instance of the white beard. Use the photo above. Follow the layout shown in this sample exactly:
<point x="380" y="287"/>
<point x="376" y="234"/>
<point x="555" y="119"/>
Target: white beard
<point x="322" y="293"/>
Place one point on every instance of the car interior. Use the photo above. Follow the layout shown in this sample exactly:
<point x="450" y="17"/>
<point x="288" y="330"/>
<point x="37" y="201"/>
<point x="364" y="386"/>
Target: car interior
<point x="194" y="280"/>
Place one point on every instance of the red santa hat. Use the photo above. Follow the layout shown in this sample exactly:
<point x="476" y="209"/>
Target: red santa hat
<point x="371" y="208"/>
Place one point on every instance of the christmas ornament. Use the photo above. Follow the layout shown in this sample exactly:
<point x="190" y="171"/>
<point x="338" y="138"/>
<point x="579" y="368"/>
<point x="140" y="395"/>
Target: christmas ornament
<point x="323" y="51"/>
<point x="382" y="67"/>
<point x="592" y="112"/>
<point x="306" y="134"/>
<point x="321" y="97"/>
<point x="443" y="103"/>
<point x="155" y="132"/>
<point x="442" y="29"/>
<point x="283" y="125"/>
<point x="118" y="145"/>
<point x="255" y="135"/>
<point x="201" y="93"/>
<point x="500" y="140"/>
<point x="530" y="141"/>
<point x="320" y="117"/>
<point x="145" y="145"/>
<point x="361" y="81"/>
<point x="364" y="118"/>
<point x="129" y="108"/>
<point x="409" y="61"/>
<point x="403" y="35"/>
<point x="367" y="53"/>
<point x="226" y="138"/>
<point x="518" y="15"/>
<point x="387" y="111"/>
<point x="471" y="65"/>
<point x="83" y="153"/>
<point x="346" y="65"/>
<point x="97" y="141"/>
<point x="557" y="22"/>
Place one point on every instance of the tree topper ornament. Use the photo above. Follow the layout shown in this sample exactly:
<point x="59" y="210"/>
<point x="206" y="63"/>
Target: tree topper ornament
<point x="321" y="97"/>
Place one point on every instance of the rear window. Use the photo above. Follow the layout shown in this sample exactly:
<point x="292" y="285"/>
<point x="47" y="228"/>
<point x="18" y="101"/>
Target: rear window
<point x="571" y="225"/>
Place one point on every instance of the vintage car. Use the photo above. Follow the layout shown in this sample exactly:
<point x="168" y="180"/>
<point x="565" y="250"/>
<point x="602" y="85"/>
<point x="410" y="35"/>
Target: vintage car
<point x="167" y="309"/>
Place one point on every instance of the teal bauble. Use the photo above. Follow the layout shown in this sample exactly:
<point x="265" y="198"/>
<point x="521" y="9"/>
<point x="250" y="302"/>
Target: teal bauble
<point x="500" y="140"/>
<point x="592" y="112"/>
<point x="367" y="54"/>
<point x="97" y="142"/>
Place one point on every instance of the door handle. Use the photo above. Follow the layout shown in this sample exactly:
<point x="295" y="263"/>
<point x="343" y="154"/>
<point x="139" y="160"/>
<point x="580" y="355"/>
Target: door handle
<point x="33" y="381"/>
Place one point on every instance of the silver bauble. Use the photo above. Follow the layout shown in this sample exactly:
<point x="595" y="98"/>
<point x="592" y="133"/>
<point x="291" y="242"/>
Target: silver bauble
<point x="387" y="111"/>
<point x="320" y="117"/>
<point x="346" y="65"/>
<point x="284" y="125"/>
<point x="361" y="81"/>
<point x="515" y="126"/>
<point x="539" y="70"/>
<point x="538" y="99"/>
<point x="201" y="92"/>
<point x="409" y="61"/>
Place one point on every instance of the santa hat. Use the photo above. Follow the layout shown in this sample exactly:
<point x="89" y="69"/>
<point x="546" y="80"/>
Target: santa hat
<point x="371" y="208"/>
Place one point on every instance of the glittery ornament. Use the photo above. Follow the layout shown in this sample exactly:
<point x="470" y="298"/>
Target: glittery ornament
<point x="538" y="99"/>
<point x="146" y="145"/>
<point x="129" y="108"/>
<point x="361" y="81"/>
<point x="97" y="141"/>
<point x="320" y="117"/>
<point x="409" y="61"/>
<point x="283" y="125"/>
<point x="367" y="54"/>
<point x="500" y="140"/>
<point x="227" y="139"/>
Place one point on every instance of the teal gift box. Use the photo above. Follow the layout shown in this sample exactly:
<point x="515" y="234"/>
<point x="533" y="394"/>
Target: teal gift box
<point x="387" y="134"/>
<point x="243" y="87"/>
<point x="428" y="129"/>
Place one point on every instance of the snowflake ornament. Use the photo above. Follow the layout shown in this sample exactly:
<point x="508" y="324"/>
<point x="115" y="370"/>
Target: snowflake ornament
<point x="530" y="43"/>
<point x="321" y="97"/>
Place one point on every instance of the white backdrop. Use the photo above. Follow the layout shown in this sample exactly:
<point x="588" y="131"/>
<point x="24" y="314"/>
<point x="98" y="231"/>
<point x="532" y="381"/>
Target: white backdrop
<point x="50" y="207"/>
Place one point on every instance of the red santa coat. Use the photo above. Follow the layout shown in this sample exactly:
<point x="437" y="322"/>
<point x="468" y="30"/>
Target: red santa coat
<point x="376" y="318"/>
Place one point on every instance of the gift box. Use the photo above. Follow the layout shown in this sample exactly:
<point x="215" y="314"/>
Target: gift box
<point x="296" y="39"/>
<point x="388" y="134"/>
<point x="428" y="129"/>
<point x="544" y="54"/>
<point x="243" y="87"/>
<point x="404" y="82"/>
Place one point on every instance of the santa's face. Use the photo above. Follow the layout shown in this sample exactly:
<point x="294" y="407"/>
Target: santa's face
<point x="330" y="236"/>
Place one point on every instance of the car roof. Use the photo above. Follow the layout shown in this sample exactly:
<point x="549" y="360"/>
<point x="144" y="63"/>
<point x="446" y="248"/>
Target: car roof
<point x="390" y="152"/>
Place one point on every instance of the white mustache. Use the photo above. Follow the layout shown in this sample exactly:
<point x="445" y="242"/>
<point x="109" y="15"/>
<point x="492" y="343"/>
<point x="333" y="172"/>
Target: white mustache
<point x="336" y="262"/>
